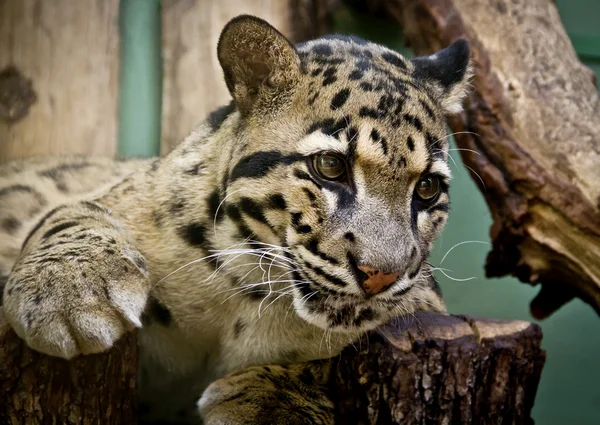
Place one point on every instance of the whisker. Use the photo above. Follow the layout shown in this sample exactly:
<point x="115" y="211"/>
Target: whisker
<point x="219" y="207"/>
<point x="459" y="244"/>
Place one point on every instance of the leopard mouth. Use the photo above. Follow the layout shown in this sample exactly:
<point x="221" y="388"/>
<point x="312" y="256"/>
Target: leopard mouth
<point x="347" y="313"/>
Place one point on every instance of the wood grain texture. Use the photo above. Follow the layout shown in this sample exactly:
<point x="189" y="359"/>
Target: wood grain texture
<point x="531" y="130"/>
<point x="69" y="52"/>
<point x="442" y="370"/>
<point x="37" y="389"/>
<point x="193" y="84"/>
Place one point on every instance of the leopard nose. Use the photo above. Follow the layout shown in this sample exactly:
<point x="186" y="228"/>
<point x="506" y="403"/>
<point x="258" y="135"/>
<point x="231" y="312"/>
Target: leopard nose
<point x="377" y="281"/>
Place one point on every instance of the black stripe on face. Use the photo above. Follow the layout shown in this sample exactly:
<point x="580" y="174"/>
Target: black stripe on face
<point x="214" y="201"/>
<point x="194" y="234"/>
<point x="321" y="273"/>
<point x="313" y="247"/>
<point x="302" y="175"/>
<point x="276" y="201"/>
<point x="442" y="206"/>
<point x="260" y="163"/>
<point x="253" y="210"/>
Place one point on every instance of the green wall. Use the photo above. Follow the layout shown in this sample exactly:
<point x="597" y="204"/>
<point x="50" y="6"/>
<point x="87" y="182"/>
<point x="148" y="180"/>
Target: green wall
<point x="569" y="391"/>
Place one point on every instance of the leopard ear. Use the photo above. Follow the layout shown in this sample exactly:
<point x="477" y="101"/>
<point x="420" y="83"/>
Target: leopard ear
<point x="446" y="74"/>
<point x="256" y="60"/>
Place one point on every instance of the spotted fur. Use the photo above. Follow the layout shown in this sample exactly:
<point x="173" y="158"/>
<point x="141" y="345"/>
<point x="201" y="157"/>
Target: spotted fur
<point x="233" y="251"/>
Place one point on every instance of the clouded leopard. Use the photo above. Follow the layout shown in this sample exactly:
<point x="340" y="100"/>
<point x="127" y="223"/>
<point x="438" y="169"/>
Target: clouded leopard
<point x="302" y="212"/>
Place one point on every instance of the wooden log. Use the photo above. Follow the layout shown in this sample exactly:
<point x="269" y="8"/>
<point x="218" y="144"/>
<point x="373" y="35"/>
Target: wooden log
<point x="441" y="370"/>
<point x="530" y="134"/>
<point x="36" y="389"/>
<point x="58" y="77"/>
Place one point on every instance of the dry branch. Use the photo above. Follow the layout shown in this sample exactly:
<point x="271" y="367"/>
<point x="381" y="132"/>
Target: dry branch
<point x="533" y="116"/>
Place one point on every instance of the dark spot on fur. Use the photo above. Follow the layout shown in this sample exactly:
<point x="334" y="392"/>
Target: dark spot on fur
<point x="10" y="225"/>
<point x="365" y="111"/>
<point x="195" y="170"/>
<point x="234" y="213"/>
<point x="306" y="377"/>
<point x="277" y="201"/>
<point x="349" y="236"/>
<point x="410" y="143"/>
<point x="402" y="162"/>
<point x="313" y="246"/>
<point x="238" y="328"/>
<point x="340" y="98"/>
<point x="156" y="312"/>
<point x="427" y="108"/>
<point x="252" y="209"/>
<point x="322" y="49"/>
<point x="214" y="201"/>
<point x="177" y="207"/>
<point x="414" y="121"/>
<point x="364" y="86"/>
<point x="329" y="76"/>
<point x="194" y="234"/>
<point x="305" y="228"/>
<point x="311" y="196"/>
<point x="381" y="140"/>
<point x="316" y="72"/>
<point x="59" y="228"/>
<point x="296" y="217"/>
<point x="218" y="116"/>
<point x="357" y="74"/>
<point x="395" y="60"/>
<point x="57" y="174"/>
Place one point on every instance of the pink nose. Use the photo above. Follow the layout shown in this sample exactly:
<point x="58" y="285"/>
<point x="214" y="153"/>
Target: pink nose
<point x="377" y="281"/>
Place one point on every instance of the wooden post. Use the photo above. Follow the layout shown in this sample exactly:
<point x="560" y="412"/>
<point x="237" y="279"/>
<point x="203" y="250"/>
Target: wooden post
<point x="58" y="77"/>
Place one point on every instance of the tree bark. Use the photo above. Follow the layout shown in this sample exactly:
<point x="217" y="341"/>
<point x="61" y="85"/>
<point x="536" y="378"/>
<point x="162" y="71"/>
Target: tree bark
<point x="89" y="390"/>
<point x="530" y="134"/>
<point x="441" y="370"/>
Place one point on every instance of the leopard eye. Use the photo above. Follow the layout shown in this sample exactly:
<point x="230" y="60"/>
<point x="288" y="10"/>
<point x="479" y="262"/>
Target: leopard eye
<point x="329" y="166"/>
<point x="428" y="188"/>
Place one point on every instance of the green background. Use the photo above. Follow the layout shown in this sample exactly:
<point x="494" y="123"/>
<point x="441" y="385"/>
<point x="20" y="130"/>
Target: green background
<point x="569" y="391"/>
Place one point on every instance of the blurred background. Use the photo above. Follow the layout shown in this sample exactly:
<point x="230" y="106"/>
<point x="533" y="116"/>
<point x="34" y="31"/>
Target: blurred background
<point x="133" y="77"/>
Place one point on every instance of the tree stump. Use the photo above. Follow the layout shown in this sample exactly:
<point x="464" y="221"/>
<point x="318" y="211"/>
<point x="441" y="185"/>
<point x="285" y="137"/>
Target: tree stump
<point x="441" y="370"/>
<point x="36" y="389"/>
<point x="530" y="134"/>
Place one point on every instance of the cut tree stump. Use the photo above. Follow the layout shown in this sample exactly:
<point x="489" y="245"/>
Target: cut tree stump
<point x="441" y="370"/>
<point x="438" y="370"/>
<point x="531" y="133"/>
<point x="99" y="389"/>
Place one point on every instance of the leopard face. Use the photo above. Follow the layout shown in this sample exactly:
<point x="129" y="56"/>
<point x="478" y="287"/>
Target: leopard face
<point x="342" y="160"/>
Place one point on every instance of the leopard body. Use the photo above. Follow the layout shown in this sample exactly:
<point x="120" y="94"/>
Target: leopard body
<point x="233" y="252"/>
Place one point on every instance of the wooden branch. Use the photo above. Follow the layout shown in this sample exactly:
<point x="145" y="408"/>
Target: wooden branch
<point x="441" y="370"/>
<point x="533" y="120"/>
<point x="38" y="389"/>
